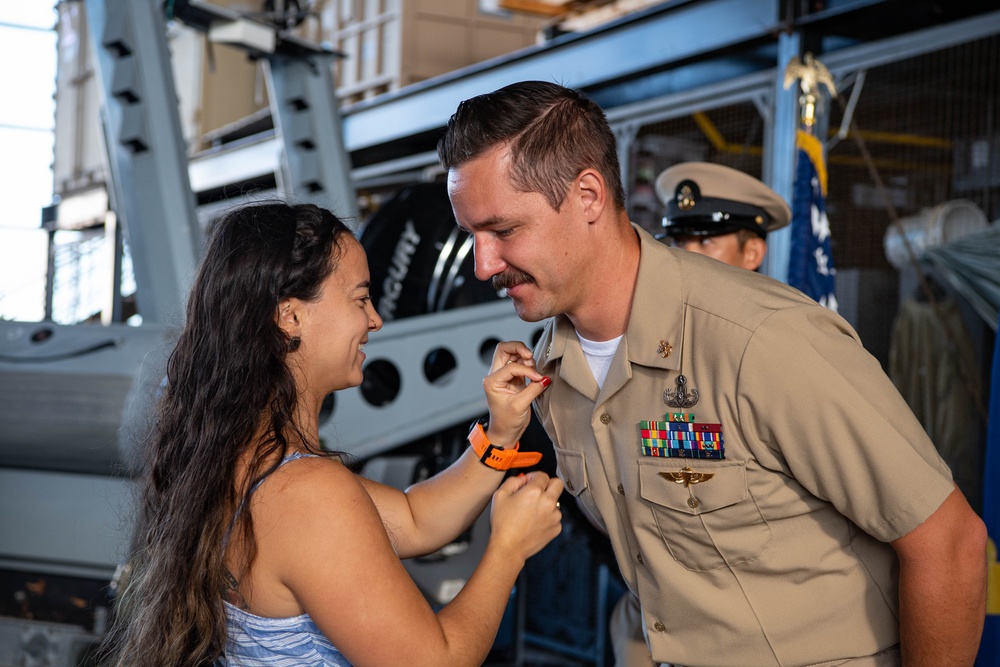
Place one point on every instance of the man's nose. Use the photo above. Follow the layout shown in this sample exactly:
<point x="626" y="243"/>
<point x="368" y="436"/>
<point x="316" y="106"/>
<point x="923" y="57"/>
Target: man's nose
<point x="487" y="259"/>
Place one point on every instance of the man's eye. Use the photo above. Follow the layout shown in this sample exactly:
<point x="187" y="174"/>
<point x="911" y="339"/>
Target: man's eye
<point x="502" y="232"/>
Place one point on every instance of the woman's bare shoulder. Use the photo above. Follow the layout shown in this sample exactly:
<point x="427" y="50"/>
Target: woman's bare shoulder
<point x="310" y="481"/>
<point x="314" y="505"/>
<point x="317" y="532"/>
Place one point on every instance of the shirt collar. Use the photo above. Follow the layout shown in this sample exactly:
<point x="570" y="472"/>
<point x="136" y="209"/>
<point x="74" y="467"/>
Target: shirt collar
<point x="655" y="324"/>
<point x="656" y="321"/>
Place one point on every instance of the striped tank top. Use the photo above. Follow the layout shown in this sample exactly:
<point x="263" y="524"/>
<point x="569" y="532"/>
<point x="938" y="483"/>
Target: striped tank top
<point x="296" y="641"/>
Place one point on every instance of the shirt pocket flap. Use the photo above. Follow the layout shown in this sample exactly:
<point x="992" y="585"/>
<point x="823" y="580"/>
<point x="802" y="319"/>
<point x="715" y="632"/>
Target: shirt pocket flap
<point x="572" y="470"/>
<point x="676" y="484"/>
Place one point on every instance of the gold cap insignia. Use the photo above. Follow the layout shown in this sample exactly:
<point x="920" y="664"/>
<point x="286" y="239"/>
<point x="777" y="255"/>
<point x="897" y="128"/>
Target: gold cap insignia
<point x="685" y="197"/>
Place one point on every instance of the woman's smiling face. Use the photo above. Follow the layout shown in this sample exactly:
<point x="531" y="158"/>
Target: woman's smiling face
<point x="334" y="327"/>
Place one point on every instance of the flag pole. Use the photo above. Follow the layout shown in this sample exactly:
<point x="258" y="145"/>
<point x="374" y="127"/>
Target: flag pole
<point x="810" y="261"/>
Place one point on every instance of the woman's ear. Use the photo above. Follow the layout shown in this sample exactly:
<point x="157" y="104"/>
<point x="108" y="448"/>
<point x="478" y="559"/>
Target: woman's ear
<point x="288" y="316"/>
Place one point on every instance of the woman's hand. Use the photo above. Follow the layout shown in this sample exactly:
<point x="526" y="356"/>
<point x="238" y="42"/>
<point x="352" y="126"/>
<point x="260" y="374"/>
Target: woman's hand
<point x="509" y="394"/>
<point x="525" y="515"/>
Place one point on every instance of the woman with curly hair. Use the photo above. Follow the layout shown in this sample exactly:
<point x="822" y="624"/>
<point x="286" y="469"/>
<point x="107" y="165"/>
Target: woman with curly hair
<point x="252" y="544"/>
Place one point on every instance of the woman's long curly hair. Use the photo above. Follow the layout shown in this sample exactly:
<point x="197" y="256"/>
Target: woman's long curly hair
<point x="229" y="388"/>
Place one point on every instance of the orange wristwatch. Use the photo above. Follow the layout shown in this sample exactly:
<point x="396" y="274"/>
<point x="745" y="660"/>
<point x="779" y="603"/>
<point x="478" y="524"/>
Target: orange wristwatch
<point x="499" y="458"/>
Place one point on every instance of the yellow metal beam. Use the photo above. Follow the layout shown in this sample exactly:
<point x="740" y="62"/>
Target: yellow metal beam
<point x="903" y="139"/>
<point x="893" y="165"/>
<point x="718" y="141"/>
<point x="720" y="144"/>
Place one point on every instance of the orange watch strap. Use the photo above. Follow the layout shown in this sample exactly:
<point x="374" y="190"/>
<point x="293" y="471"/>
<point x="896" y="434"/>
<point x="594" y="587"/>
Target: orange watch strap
<point x="497" y="457"/>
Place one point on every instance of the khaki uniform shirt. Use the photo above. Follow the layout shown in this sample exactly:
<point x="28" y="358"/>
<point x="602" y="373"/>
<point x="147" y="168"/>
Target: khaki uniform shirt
<point x="780" y="557"/>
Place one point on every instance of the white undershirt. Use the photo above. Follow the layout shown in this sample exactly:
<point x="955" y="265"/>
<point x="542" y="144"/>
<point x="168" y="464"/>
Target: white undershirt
<point x="599" y="355"/>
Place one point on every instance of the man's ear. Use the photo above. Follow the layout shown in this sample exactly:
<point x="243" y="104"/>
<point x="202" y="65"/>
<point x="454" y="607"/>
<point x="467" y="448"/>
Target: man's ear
<point x="592" y="192"/>
<point x="754" y="250"/>
<point x="288" y="316"/>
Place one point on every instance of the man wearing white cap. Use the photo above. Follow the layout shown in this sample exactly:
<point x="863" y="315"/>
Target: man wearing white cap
<point x="720" y="212"/>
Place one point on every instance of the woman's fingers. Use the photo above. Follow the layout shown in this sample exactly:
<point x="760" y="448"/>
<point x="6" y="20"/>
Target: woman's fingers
<point x="526" y="513"/>
<point x="510" y="400"/>
<point x="510" y="377"/>
<point x="511" y="352"/>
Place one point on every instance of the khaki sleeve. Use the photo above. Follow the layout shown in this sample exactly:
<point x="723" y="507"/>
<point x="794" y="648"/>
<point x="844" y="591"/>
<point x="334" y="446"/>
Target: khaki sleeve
<point x="816" y="405"/>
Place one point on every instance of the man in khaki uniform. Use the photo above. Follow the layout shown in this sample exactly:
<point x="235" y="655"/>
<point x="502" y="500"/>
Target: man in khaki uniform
<point x="713" y="210"/>
<point x="769" y="497"/>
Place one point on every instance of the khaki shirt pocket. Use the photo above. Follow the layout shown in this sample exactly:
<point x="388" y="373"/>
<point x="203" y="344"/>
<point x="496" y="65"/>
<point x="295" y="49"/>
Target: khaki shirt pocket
<point x="709" y="521"/>
<point x="572" y="470"/>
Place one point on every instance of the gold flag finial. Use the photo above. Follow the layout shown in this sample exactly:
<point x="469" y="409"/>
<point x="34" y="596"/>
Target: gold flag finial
<point x="811" y="74"/>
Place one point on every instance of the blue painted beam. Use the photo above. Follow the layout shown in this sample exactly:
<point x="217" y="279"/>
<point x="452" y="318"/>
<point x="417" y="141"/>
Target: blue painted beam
<point x="644" y="42"/>
<point x="779" y="167"/>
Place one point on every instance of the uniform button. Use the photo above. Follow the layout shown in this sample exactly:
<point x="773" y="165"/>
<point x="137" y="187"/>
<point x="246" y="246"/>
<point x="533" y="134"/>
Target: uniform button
<point x="605" y="418"/>
<point x="638" y="557"/>
<point x="693" y="503"/>
<point x="659" y="627"/>
<point x="621" y="489"/>
<point x="569" y="484"/>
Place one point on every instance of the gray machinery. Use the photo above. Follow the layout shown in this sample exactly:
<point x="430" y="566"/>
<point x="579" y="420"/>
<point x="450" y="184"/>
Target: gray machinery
<point x="74" y="400"/>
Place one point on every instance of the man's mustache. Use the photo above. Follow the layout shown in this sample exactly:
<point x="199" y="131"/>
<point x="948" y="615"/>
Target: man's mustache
<point x="510" y="278"/>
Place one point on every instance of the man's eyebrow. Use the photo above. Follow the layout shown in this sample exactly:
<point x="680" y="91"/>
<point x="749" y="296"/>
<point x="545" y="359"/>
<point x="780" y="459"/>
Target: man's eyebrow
<point x="488" y="223"/>
<point x="364" y="284"/>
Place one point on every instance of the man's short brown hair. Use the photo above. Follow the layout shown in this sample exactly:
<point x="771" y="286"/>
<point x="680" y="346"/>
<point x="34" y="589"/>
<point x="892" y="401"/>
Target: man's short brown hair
<point x="553" y="132"/>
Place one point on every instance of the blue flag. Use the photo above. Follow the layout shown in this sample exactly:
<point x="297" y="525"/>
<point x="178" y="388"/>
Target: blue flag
<point x="989" y="649"/>
<point x="810" y="262"/>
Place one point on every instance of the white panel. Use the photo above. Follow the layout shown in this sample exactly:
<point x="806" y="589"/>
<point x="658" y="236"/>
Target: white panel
<point x="63" y="521"/>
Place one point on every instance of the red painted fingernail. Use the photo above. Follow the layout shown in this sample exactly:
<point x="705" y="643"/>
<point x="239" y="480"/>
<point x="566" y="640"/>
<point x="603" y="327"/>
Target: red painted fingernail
<point x="546" y="381"/>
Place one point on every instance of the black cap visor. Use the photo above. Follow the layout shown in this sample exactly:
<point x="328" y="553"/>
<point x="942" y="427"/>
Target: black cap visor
<point x="713" y="217"/>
